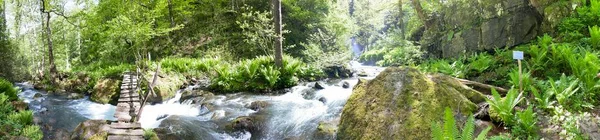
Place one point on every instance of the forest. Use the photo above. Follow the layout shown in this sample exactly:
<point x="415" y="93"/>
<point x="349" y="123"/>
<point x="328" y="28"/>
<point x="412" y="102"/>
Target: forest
<point x="300" y="69"/>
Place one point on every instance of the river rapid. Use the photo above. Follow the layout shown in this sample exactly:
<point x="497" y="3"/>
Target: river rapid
<point x="292" y="115"/>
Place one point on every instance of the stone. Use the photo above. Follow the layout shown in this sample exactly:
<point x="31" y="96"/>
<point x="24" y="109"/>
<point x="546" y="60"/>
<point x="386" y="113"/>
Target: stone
<point x="319" y="85"/>
<point x="242" y="123"/>
<point x="363" y="74"/>
<point x="105" y="91"/>
<point x="166" y="86"/>
<point x="401" y="100"/>
<point x="91" y="129"/>
<point x="338" y="70"/>
<point x="20" y="105"/>
<point x="323" y="100"/>
<point x="186" y="128"/>
<point x="328" y="128"/>
<point x="345" y="84"/>
<point x="258" y="105"/>
<point x="37" y="95"/>
<point x="74" y="96"/>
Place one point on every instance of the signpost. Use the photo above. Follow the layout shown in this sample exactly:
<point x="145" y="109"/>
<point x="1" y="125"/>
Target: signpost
<point x="518" y="55"/>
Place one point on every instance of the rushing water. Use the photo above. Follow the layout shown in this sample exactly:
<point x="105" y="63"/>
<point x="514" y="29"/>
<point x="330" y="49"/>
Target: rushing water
<point x="295" y="114"/>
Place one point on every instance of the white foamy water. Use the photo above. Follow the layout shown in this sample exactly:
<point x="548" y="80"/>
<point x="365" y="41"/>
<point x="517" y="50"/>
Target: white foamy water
<point x="152" y="115"/>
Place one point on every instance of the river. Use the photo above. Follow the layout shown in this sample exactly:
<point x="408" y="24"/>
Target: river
<point x="293" y="115"/>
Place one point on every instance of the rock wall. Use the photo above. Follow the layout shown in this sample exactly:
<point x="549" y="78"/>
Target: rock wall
<point x="463" y="26"/>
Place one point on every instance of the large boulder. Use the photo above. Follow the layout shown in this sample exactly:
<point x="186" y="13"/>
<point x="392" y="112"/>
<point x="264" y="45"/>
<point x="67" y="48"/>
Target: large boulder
<point x="91" y="129"/>
<point x="480" y="25"/>
<point x="166" y="86"/>
<point x="105" y="90"/>
<point x="401" y="103"/>
<point x="187" y="128"/>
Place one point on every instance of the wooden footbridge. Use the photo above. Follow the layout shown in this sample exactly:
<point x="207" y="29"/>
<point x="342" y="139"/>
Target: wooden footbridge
<point x="128" y="108"/>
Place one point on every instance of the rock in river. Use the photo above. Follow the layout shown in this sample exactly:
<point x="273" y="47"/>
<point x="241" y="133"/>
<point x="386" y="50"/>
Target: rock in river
<point x="401" y="103"/>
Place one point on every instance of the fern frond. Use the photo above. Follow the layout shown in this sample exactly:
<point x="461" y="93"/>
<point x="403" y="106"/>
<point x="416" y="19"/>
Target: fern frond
<point x="483" y="133"/>
<point x="468" y="129"/>
<point x="450" y="130"/>
<point x="436" y="131"/>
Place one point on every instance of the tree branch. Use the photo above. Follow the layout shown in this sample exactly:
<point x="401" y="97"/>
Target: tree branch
<point x="66" y="18"/>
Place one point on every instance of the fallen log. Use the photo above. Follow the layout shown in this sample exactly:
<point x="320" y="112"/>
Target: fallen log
<point x="481" y="85"/>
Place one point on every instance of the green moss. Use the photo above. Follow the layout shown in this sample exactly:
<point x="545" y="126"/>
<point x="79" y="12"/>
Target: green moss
<point x="402" y="100"/>
<point x="166" y="85"/>
<point x="99" y="136"/>
<point x="105" y="90"/>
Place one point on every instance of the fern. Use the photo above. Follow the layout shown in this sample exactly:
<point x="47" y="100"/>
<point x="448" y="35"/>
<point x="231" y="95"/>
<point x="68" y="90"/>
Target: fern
<point x="504" y="107"/>
<point x="436" y="131"/>
<point x="449" y="131"/>
<point x="468" y="129"/>
<point x="526" y="126"/>
<point x="595" y="36"/>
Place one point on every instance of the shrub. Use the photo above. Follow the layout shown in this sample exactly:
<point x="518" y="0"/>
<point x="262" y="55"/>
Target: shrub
<point x="526" y="124"/>
<point x="449" y="131"/>
<point x="6" y="87"/>
<point x="481" y="62"/>
<point x="503" y="107"/>
<point x="32" y="132"/>
<point x="595" y="36"/>
<point x="149" y="134"/>
<point x="258" y="74"/>
<point x="22" y="117"/>
<point x="525" y="79"/>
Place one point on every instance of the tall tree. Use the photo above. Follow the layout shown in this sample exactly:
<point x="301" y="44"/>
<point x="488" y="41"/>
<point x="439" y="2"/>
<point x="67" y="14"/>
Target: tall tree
<point x="278" y="37"/>
<point x="419" y="9"/>
<point x="400" y="18"/>
<point x="45" y="10"/>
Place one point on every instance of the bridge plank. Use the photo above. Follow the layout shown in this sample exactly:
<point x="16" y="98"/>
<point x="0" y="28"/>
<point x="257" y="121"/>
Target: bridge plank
<point x="129" y="99"/>
<point x="134" y="132"/>
<point x="125" y="125"/>
<point x="114" y="137"/>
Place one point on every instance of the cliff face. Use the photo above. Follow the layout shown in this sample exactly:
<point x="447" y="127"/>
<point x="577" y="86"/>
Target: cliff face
<point x="462" y="26"/>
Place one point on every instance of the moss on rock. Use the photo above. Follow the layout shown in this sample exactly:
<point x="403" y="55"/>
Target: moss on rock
<point x="166" y="85"/>
<point x="91" y="129"/>
<point x="105" y="90"/>
<point x="401" y="103"/>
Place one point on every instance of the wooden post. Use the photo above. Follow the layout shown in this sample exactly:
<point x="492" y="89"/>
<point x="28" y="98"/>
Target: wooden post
<point x="520" y="76"/>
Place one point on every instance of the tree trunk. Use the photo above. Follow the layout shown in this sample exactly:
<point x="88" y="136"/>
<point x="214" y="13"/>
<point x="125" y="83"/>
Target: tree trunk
<point x="53" y="71"/>
<point x="422" y="15"/>
<point x="170" y="4"/>
<point x="278" y="38"/>
<point x="400" y="18"/>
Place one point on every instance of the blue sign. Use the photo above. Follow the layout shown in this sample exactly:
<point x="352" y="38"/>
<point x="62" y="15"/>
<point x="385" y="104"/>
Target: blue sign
<point x="518" y="55"/>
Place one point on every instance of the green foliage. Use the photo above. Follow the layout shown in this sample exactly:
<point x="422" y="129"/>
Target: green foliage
<point x="526" y="124"/>
<point x="544" y="100"/>
<point x="149" y="134"/>
<point x="449" y="131"/>
<point x="481" y="62"/>
<point x="188" y="66"/>
<point x="503" y="107"/>
<point x="595" y="36"/>
<point x="455" y="68"/>
<point x="22" y="117"/>
<point x="526" y="79"/>
<point x="19" y="122"/>
<point x="259" y="74"/>
<point x="392" y="50"/>
<point x="311" y="73"/>
<point x="6" y="87"/>
<point x="32" y="132"/>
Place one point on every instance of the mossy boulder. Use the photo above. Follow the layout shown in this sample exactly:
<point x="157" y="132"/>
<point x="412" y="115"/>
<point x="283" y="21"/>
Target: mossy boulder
<point x="166" y="86"/>
<point x="401" y="103"/>
<point x="105" y="90"/>
<point x="91" y="129"/>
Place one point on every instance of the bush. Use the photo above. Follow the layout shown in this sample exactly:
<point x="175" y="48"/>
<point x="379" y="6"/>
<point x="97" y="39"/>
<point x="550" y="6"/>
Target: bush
<point x="32" y="132"/>
<point x="22" y="117"/>
<point x="6" y="88"/>
<point x="481" y="62"/>
<point x="502" y="108"/>
<point x="456" y="68"/>
<point x="258" y="74"/>
<point x="526" y="124"/>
